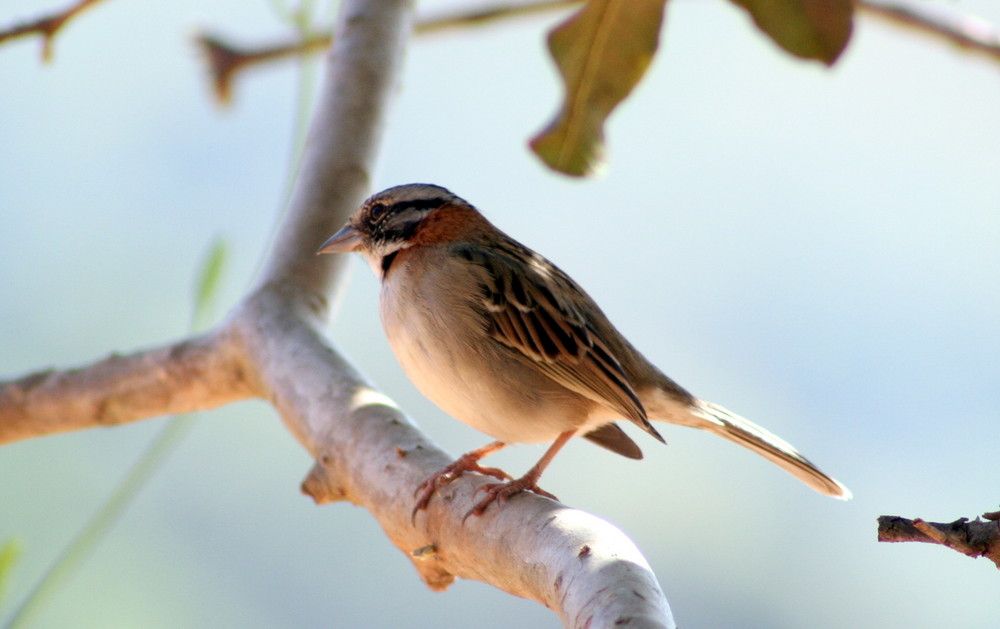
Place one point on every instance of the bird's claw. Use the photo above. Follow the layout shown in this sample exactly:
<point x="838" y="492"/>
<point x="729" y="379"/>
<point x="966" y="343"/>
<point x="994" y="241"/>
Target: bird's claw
<point x="503" y="491"/>
<point x="442" y="477"/>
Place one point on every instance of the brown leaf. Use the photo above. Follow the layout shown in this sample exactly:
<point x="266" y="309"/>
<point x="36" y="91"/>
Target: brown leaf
<point x="601" y="51"/>
<point x="811" y="29"/>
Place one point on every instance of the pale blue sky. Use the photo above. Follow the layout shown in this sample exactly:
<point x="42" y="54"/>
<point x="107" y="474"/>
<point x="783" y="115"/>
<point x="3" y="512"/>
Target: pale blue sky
<point x="815" y="249"/>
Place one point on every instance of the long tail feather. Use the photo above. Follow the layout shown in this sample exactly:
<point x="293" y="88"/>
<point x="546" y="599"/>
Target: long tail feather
<point x="773" y="448"/>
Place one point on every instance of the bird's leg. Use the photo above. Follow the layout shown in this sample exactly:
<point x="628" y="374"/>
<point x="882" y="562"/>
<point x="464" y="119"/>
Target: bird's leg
<point x="527" y="482"/>
<point x="468" y="462"/>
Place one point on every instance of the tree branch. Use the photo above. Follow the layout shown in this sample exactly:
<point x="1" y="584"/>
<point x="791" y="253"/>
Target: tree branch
<point x="47" y="26"/>
<point x="195" y="374"/>
<point x="225" y="59"/>
<point x="975" y="538"/>
<point x="361" y="74"/>
<point x="369" y="453"/>
<point x="965" y="31"/>
<point x="366" y="450"/>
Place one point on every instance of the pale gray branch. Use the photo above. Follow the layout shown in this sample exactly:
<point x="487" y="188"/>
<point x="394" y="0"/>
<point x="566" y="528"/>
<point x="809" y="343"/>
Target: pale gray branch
<point x="195" y="374"/>
<point x="335" y="172"/>
<point x="370" y="453"/>
<point x="366" y="450"/>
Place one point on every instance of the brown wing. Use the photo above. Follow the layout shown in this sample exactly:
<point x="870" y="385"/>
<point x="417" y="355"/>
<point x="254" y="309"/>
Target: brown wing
<point x="531" y="306"/>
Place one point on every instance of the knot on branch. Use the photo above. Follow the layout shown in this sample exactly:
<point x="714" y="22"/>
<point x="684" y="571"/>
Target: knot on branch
<point x="974" y="538"/>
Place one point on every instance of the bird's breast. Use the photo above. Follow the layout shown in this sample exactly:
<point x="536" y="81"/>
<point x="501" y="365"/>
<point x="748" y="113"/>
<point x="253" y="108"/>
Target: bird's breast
<point x="441" y="343"/>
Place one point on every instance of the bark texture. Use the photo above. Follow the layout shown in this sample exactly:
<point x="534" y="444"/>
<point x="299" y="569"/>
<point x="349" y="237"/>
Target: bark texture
<point x="974" y="538"/>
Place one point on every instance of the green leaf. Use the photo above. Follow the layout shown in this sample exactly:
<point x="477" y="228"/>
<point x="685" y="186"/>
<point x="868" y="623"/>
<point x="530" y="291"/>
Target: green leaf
<point x="811" y="29"/>
<point x="9" y="553"/>
<point x="601" y="51"/>
<point x="207" y="288"/>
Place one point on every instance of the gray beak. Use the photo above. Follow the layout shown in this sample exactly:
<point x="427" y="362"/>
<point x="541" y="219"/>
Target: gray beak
<point x="347" y="239"/>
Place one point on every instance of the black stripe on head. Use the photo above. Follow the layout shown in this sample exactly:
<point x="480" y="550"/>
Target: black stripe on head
<point x="408" y="215"/>
<point x="399" y="221"/>
<point x="419" y="204"/>
<point x="392" y="218"/>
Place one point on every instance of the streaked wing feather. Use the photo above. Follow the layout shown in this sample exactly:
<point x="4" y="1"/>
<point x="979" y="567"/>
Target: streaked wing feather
<point x="550" y="327"/>
<point x="589" y="380"/>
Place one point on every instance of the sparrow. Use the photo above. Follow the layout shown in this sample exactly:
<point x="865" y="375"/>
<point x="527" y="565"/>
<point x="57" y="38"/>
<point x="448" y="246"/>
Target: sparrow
<point x="503" y="340"/>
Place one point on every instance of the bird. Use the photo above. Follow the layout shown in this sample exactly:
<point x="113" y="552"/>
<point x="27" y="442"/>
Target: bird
<point x="503" y="340"/>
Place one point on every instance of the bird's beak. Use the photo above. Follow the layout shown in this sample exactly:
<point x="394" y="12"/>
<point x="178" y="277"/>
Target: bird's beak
<point x="347" y="239"/>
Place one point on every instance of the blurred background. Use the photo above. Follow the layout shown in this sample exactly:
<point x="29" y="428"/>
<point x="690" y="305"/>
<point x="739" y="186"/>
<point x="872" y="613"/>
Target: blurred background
<point x="815" y="249"/>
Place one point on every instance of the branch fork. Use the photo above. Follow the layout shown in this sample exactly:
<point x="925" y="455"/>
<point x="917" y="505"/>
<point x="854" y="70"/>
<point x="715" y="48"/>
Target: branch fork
<point x="366" y="450"/>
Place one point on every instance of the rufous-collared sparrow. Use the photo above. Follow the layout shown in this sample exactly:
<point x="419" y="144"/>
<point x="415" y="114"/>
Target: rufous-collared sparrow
<point x="501" y="339"/>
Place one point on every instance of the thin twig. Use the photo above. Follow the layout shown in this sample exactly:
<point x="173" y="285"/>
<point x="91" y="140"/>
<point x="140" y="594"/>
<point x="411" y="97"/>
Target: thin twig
<point x="974" y="538"/>
<point x="484" y="15"/>
<point x="965" y="31"/>
<point x="225" y="59"/>
<point x="47" y="26"/>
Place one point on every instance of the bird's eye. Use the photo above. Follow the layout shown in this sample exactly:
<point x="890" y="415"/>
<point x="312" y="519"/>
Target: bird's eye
<point x="377" y="212"/>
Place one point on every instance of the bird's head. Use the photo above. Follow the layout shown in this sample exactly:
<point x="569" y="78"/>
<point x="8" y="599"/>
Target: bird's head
<point x="395" y="219"/>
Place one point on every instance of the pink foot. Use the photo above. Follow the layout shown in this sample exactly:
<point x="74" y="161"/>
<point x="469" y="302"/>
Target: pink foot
<point x="502" y="491"/>
<point x="465" y="463"/>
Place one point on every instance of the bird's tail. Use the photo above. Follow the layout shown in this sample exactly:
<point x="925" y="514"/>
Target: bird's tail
<point x="773" y="448"/>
